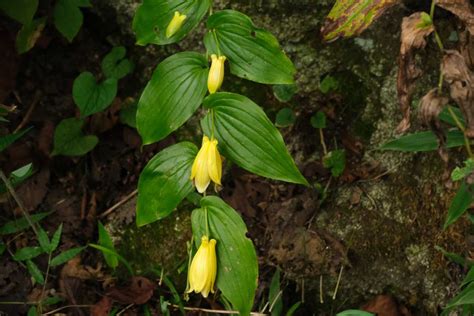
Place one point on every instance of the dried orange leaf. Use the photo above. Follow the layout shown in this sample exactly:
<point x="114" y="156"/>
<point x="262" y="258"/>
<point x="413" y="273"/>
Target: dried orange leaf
<point x="351" y="17"/>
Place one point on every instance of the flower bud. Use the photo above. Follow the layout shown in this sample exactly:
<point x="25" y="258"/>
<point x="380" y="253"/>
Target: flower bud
<point x="216" y="73"/>
<point x="207" y="165"/>
<point x="203" y="270"/>
<point x="175" y="24"/>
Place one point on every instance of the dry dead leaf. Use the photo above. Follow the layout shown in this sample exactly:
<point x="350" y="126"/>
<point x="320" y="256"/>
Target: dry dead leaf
<point x="461" y="83"/>
<point x="385" y="305"/>
<point x="462" y="9"/>
<point x="466" y="47"/>
<point x="102" y="307"/>
<point x="413" y="37"/>
<point x="138" y="292"/>
<point x="431" y="105"/>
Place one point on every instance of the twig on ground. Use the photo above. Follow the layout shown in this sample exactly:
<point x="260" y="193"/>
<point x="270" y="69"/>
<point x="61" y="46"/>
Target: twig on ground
<point x="27" y="116"/>
<point x="118" y="204"/>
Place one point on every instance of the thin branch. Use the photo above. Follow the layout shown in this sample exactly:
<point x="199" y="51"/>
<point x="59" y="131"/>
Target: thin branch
<point x="27" y="116"/>
<point x="118" y="204"/>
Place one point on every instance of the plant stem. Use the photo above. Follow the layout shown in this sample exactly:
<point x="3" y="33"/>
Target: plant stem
<point x="40" y="306"/>
<point x="321" y="136"/>
<point x="11" y="190"/>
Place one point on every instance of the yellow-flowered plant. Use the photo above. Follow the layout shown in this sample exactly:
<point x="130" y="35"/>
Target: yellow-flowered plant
<point x="216" y="73"/>
<point x="207" y="165"/>
<point x="203" y="270"/>
<point x="175" y="24"/>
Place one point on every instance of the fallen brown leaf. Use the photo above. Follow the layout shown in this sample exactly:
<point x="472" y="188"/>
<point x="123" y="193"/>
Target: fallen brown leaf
<point x="431" y="105"/>
<point x="102" y="307"/>
<point x="461" y="83"/>
<point x="412" y="38"/>
<point x="383" y="305"/>
<point x="462" y="9"/>
<point x="138" y="292"/>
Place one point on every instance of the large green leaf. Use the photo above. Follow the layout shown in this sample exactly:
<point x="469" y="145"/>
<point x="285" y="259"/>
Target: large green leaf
<point x="463" y="199"/>
<point x="237" y="266"/>
<point x="351" y="17"/>
<point x="69" y="139"/>
<point x="173" y="94"/>
<point x="68" y="17"/>
<point x="153" y="16"/>
<point x="423" y="141"/>
<point x="9" y="139"/>
<point x="465" y="297"/>
<point x="165" y="182"/>
<point x="20" y="10"/>
<point x="247" y="137"/>
<point x="253" y="53"/>
<point x="92" y="97"/>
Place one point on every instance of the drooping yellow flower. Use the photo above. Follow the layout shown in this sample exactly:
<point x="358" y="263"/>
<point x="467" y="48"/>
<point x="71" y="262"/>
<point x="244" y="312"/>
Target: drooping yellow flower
<point x="175" y="24"/>
<point x="207" y="165"/>
<point x="203" y="269"/>
<point x="216" y="73"/>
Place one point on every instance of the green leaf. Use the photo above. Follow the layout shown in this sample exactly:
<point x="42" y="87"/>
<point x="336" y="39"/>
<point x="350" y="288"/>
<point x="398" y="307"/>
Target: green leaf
<point x="465" y="297"/>
<point x="32" y="311"/>
<point x="423" y="141"/>
<point x="293" y="309"/>
<point x="115" y="65"/>
<point x="111" y="252"/>
<point x="354" y="312"/>
<point x="69" y="139"/>
<point x="35" y="272"/>
<point x="52" y="300"/>
<point x="461" y="202"/>
<point x="275" y="296"/>
<point x="18" y="176"/>
<point x="351" y="17"/>
<point x="27" y="253"/>
<point x="43" y="240"/>
<point x="56" y="238"/>
<point x="164" y="182"/>
<point x="237" y="264"/>
<point x="285" y="117"/>
<point x="21" y="10"/>
<point x="454" y="257"/>
<point x="29" y="34"/>
<point x="15" y="226"/>
<point x="68" y="17"/>
<point x="460" y="173"/>
<point x="448" y="118"/>
<point x="173" y="94"/>
<point x="469" y="277"/>
<point x="106" y="241"/>
<point x="318" y="120"/>
<point x="328" y="84"/>
<point x="128" y="115"/>
<point x="336" y="161"/>
<point x="426" y="20"/>
<point x="247" y="137"/>
<point x="253" y="53"/>
<point x="9" y="139"/>
<point x="92" y="97"/>
<point x="65" y="256"/>
<point x="153" y="16"/>
<point x="284" y="92"/>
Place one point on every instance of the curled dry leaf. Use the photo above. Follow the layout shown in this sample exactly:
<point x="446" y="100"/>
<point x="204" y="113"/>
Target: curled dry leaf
<point x="138" y="292"/>
<point x="431" y="105"/>
<point x="461" y="83"/>
<point x="351" y="17"/>
<point x="462" y="9"/>
<point x="466" y="47"/>
<point x="414" y="32"/>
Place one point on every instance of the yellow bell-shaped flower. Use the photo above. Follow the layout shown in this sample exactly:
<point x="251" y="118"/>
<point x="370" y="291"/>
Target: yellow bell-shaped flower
<point x="175" y="24"/>
<point x="203" y="269"/>
<point x="216" y="73"/>
<point x="207" y="165"/>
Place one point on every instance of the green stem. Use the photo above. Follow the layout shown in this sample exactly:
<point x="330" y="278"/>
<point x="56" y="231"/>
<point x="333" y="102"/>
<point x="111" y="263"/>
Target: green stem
<point x="40" y="306"/>
<point x="211" y="111"/>
<point x="217" y="42"/>
<point x="459" y="125"/>
<point x="11" y="190"/>
<point x="207" y="222"/>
